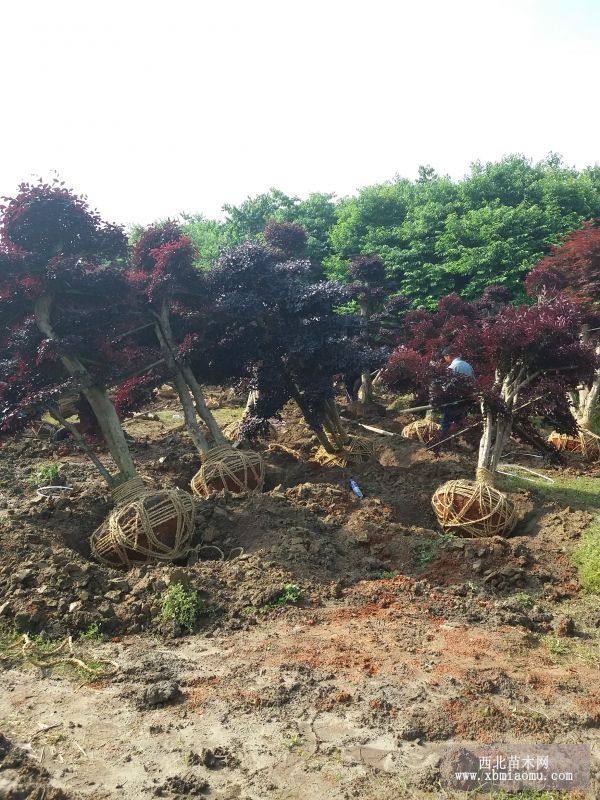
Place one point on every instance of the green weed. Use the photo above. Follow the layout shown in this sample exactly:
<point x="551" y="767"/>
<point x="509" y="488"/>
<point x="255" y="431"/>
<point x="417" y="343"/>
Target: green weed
<point x="556" y="646"/>
<point x="524" y="599"/>
<point x="51" y="655"/>
<point x="290" y="595"/>
<point x="183" y="605"/>
<point x="427" y="550"/>
<point x="587" y="559"/>
<point x="387" y="574"/>
<point x="293" y="742"/>
<point x="93" y="633"/>
<point x="45" y="475"/>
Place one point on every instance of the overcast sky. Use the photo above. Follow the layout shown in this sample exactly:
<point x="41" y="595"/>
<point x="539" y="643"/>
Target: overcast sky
<point x="153" y="108"/>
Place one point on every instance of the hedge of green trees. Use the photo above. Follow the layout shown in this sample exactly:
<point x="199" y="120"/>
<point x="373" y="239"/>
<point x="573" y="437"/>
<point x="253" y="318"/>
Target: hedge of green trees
<point x="435" y="235"/>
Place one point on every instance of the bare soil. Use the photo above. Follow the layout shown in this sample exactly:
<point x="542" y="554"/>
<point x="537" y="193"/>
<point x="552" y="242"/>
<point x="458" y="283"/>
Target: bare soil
<point x="403" y="640"/>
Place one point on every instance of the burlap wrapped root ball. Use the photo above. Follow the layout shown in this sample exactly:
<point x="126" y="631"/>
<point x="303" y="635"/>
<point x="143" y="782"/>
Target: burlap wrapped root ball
<point x="421" y="430"/>
<point x="356" y="451"/>
<point x="237" y="471"/>
<point x="586" y="444"/>
<point x="150" y="526"/>
<point x="473" y="509"/>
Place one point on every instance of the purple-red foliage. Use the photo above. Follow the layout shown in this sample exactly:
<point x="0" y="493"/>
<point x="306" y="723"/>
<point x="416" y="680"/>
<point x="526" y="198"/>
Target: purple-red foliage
<point x="408" y="371"/>
<point x="163" y="270"/>
<point x="544" y="338"/>
<point x="134" y="393"/>
<point x="153" y="238"/>
<point x="44" y="220"/>
<point x="455" y="322"/>
<point x="287" y="238"/>
<point x="535" y="348"/>
<point x="573" y="270"/>
<point x="53" y="245"/>
<point x="270" y="326"/>
<point x="368" y="269"/>
<point x="367" y="287"/>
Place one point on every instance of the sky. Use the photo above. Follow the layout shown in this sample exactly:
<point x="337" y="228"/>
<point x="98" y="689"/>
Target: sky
<point x="156" y="108"/>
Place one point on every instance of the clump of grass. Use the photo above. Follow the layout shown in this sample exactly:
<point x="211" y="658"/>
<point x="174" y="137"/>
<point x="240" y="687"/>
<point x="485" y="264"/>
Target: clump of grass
<point x="587" y="559"/>
<point x="183" y="605"/>
<point x="93" y="632"/>
<point x="524" y="599"/>
<point x="45" y="475"/>
<point x="290" y="595"/>
<point x="50" y="655"/>
<point x="427" y="550"/>
<point x="556" y="645"/>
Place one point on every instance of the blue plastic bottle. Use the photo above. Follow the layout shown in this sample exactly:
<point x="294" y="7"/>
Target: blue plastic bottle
<point x="356" y="489"/>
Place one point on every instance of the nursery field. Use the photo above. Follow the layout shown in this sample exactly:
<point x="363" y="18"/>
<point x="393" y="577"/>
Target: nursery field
<point x="311" y="644"/>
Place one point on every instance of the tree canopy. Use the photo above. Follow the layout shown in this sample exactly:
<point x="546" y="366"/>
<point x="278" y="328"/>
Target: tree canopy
<point x="435" y="235"/>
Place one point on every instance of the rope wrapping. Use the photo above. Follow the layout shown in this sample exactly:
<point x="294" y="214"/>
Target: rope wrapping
<point x="157" y="526"/>
<point x="473" y="509"/>
<point x="587" y="443"/>
<point x="223" y="468"/>
<point x="423" y="430"/>
<point x="357" y="451"/>
<point x="128" y="491"/>
<point x="483" y="475"/>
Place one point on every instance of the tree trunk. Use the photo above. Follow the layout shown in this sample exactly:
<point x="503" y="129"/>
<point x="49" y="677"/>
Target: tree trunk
<point x="496" y="432"/>
<point x="202" y="409"/>
<point x="188" y="377"/>
<point x="588" y="397"/>
<point x="365" y="392"/>
<point x="318" y="430"/>
<point x="189" y="415"/>
<point x="251" y="402"/>
<point x="337" y="422"/>
<point x="96" y="396"/>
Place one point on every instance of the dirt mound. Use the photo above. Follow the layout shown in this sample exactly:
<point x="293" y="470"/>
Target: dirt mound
<point x="307" y="530"/>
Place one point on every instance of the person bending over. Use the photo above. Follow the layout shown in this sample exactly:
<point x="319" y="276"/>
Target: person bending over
<point x="453" y="415"/>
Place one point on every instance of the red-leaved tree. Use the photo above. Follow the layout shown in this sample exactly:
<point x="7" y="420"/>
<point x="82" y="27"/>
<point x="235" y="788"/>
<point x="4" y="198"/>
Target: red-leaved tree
<point x="63" y="298"/>
<point x="171" y="294"/>
<point x="572" y="270"/>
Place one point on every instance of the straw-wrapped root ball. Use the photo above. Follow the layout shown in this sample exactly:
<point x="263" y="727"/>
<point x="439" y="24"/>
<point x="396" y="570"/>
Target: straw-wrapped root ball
<point x="156" y="526"/>
<point x="224" y="468"/>
<point x="421" y="430"/>
<point x="473" y="509"/>
<point x="587" y="444"/>
<point x="357" y="451"/>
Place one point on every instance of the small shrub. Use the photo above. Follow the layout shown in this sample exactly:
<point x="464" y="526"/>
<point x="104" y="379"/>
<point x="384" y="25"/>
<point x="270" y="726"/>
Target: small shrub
<point x="427" y="550"/>
<point x="587" y="559"/>
<point x="181" y="604"/>
<point x="555" y="645"/>
<point x="524" y="599"/>
<point x="45" y="475"/>
<point x="93" y="633"/>
<point x="290" y="595"/>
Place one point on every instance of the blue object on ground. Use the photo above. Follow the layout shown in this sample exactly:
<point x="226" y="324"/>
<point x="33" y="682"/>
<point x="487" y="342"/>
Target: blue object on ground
<point x="356" y="489"/>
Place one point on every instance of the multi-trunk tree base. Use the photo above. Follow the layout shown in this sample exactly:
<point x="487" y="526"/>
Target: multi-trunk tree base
<point x="421" y="430"/>
<point x="146" y="526"/>
<point x="356" y="451"/>
<point x="224" y="468"/>
<point x="474" y="508"/>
